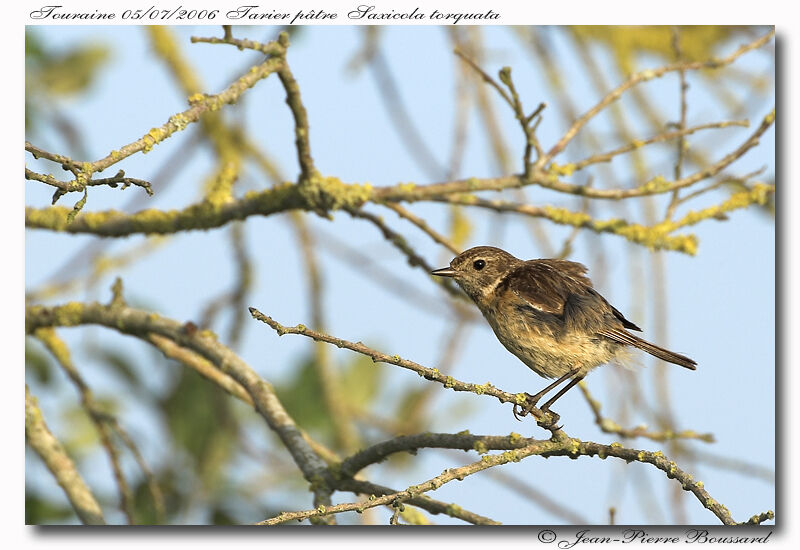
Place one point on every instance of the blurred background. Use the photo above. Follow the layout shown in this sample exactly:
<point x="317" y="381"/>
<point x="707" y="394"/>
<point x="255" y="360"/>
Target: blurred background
<point x="390" y="105"/>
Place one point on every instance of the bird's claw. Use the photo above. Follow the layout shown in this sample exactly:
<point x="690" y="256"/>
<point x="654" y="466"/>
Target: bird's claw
<point x="550" y="422"/>
<point x="521" y="411"/>
<point x="550" y="417"/>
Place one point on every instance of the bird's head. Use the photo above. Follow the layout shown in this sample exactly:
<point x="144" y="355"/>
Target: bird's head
<point x="479" y="270"/>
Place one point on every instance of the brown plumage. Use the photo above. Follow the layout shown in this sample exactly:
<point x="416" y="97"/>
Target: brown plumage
<point x="548" y="314"/>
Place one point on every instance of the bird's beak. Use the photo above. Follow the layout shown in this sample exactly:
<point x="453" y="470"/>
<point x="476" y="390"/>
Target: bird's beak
<point x="444" y="272"/>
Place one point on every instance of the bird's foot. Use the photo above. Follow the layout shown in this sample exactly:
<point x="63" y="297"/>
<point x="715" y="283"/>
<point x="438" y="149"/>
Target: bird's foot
<point x="549" y="418"/>
<point x="549" y="422"/>
<point x="521" y="411"/>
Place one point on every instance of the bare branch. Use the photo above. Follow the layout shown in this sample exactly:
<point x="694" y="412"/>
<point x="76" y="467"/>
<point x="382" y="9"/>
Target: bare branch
<point x="141" y="323"/>
<point x="644" y="76"/>
<point x="60" y="465"/>
<point x="611" y="427"/>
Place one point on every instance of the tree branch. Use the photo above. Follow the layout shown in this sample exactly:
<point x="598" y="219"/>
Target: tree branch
<point x="611" y="427"/>
<point x="560" y="443"/>
<point x="141" y="324"/>
<point x="425" y="372"/>
<point x="59" y="463"/>
<point x="644" y="76"/>
<point x="59" y="350"/>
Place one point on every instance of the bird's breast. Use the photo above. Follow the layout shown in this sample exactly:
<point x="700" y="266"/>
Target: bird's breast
<point x="541" y="342"/>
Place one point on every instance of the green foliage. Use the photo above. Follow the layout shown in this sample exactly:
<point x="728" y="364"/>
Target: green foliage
<point x="360" y="381"/>
<point x="40" y="511"/>
<point x="220" y="516"/>
<point x="410" y="411"/>
<point x="697" y="42"/>
<point x="62" y="72"/>
<point x="37" y="363"/>
<point x="82" y="437"/>
<point x="118" y="361"/>
<point x="51" y="74"/>
<point x="302" y="397"/>
<point x="144" y="511"/>
<point x="201" y="421"/>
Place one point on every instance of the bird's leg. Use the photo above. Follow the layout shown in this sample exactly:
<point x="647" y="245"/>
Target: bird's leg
<point x="546" y="407"/>
<point x="531" y="400"/>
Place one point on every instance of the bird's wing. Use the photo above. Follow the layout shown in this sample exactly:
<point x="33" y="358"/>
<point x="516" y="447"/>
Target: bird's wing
<point x="616" y="313"/>
<point x="546" y="285"/>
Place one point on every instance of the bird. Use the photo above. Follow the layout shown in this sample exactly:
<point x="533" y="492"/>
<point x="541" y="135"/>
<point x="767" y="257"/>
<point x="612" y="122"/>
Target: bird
<point x="548" y="314"/>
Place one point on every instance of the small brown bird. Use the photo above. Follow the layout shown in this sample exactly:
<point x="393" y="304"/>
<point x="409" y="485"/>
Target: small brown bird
<point x="547" y="313"/>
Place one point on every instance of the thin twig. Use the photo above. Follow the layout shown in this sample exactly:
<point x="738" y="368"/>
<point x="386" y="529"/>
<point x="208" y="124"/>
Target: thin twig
<point x="152" y="482"/>
<point x="365" y="266"/>
<point x="140" y="323"/>
<point x="643" y="76"/>
<point x="64" y="187"/>
<point x="664" y="136"/>
<point x="425" y="372"/>
<point x="486" y="78"/>
<point x="59" y="350"/>
<point x="423" y="225"/>
<point x="652" y="236"/>
<point x="448" y="475"/>
<point x="684" y="107"/>
<point x="421" y="501"/>
<point x="332" y="395"/>
<point x="399" y="242"/>
<point x="611" y="427"/>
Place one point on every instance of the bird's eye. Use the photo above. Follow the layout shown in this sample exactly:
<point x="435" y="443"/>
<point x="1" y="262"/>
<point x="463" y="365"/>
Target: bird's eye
<point x="479" y="264"/>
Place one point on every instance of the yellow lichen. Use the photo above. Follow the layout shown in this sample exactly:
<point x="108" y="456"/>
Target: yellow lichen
<point x="69" y="314"/>
<point x="473" y="184"/>
<point x="460" y="227"/>
<point x="511" y="456"/>
<point x="329" y="193"/>
<point x="628" y="43"/>
<point x="557" y="170"/>
<point x="658" y="184"/>
<point x="406" y="187"/>
<point x="414" y="516"/>
<point x="759" y="194"/>
<point x="566" y="217"/>
<point x="609" y="425"/>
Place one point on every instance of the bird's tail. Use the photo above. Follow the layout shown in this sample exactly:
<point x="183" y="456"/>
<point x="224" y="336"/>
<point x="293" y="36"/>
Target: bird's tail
<point x="664" y="354"/>
<point x="625" y="337"/>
